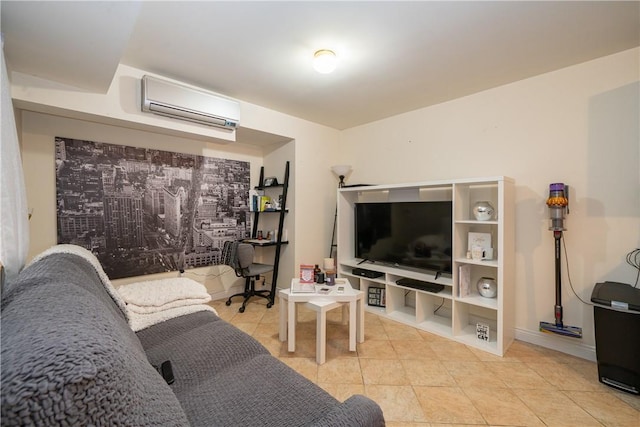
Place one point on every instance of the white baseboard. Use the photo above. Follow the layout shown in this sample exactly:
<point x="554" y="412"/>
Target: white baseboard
<point x="566" y="345"/>
<point x="236" y="289"/>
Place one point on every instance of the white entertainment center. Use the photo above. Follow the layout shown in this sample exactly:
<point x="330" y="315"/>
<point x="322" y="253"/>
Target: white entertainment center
<point x="448" y="313"/>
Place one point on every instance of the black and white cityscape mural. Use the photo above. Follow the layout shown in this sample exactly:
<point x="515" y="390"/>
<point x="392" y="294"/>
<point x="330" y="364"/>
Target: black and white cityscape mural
<point x="144" y="211"/>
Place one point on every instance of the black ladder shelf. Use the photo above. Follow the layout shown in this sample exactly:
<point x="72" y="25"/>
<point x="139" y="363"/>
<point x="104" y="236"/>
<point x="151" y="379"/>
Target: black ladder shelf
<point x="282" y="211"/>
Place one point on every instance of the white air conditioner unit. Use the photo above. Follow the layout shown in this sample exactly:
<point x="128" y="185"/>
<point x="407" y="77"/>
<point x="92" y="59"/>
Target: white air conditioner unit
<point x="186" y="103"/>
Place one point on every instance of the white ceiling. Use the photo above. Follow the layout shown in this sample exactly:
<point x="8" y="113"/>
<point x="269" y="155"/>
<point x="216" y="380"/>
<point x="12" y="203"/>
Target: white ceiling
<point x="394" y="56"/>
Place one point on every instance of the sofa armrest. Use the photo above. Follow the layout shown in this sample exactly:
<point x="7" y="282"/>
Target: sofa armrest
<point x="357" y="410"/>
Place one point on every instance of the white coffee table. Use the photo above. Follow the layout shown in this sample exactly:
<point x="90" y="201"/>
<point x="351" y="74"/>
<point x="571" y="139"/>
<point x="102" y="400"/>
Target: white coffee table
<point x="321" y="304"/>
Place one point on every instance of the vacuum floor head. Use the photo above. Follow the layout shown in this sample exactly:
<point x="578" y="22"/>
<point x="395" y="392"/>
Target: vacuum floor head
<point x="567" y="331"/>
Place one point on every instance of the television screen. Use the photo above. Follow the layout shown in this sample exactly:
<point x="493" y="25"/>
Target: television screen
<point x="405" y="234"/>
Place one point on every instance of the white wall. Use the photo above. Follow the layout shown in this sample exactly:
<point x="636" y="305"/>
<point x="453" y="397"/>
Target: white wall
<point x="120" y="106"/>
<point x="578" y="125"/>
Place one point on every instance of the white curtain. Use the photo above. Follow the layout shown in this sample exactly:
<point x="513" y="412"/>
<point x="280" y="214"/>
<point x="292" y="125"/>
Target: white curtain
<point x="14" y="225"/>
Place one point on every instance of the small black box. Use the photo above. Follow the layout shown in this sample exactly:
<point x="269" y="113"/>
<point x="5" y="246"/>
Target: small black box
<point x="366" y="273"/>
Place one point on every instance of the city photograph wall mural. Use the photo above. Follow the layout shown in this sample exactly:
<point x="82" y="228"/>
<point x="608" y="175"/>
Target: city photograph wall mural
<point x="144" y="211"/>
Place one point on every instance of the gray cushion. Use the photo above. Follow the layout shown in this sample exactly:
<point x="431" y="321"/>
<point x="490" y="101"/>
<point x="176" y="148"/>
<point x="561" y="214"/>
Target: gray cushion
<point x="261" y="391"/>
<point x="198" y="344"/>
<point x="69" y="357"/>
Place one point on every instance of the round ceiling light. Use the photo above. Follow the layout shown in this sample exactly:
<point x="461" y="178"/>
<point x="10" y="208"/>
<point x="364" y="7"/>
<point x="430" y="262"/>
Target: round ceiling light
<point x="324" y="61"/>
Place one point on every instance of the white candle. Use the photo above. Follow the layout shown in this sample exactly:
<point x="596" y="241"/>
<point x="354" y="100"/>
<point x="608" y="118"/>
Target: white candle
<point x="329" y="264"/>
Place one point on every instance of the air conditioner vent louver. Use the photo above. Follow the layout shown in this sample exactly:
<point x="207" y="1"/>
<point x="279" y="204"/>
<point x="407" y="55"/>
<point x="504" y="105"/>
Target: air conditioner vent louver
<point x="186" y="103"/>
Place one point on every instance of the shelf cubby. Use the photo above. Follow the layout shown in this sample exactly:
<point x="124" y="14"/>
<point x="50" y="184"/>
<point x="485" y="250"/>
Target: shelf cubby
<point x="397" y="301"/>
<point x="466" y="318"/>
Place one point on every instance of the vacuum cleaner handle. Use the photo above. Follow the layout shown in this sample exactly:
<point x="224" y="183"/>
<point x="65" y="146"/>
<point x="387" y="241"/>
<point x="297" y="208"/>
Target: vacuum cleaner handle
<point x="558" y="307"/>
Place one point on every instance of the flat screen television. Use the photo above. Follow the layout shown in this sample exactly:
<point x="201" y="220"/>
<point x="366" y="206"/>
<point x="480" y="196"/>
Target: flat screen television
<point x="416" y="235"/>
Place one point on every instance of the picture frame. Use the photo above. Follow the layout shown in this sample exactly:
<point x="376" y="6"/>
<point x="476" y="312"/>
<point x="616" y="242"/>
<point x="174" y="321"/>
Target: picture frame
<point x="270" y="181"/>
<point x="482" y="240"/>
<point x="306" y="273"/>
<point x="376" y="296"/>
<point x="483" y="332"/>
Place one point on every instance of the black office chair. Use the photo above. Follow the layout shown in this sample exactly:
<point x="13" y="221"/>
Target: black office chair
<point x="239" y="256"/>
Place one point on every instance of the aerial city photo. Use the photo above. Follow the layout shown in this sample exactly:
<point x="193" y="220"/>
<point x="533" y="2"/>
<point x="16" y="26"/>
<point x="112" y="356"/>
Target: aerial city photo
<point x="144" y="211"/>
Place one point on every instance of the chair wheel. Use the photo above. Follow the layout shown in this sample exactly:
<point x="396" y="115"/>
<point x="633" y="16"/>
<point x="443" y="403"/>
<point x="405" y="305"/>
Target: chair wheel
<point x="269" y="304"/>
<point x="241" y="309"/>
<point x="228" y="302"/>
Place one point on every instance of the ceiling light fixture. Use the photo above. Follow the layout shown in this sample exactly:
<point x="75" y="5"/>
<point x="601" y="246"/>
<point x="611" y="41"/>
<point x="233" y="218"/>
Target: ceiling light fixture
<point x="324" y="61"/>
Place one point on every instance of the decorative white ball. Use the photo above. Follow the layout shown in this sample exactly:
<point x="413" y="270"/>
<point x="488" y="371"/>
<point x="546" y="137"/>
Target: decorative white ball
<point x="487" y="287"/>
<point x="483" y="211"/>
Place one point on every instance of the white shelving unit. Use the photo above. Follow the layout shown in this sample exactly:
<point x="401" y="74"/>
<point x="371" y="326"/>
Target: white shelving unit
<point x="445" y="313"/>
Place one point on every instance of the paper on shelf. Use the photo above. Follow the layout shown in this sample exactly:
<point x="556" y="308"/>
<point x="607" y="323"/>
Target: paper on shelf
<point x="464" y="280"/>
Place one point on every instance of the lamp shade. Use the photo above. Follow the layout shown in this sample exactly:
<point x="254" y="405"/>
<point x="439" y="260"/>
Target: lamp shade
<point x="341" y="170"/>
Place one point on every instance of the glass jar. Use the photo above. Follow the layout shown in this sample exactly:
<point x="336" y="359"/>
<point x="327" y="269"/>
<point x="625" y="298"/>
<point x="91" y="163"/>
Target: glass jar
<point x="330" y="277"/>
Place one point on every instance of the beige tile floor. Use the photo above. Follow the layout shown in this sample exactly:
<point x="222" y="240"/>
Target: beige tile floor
<point x="420" y="379"/>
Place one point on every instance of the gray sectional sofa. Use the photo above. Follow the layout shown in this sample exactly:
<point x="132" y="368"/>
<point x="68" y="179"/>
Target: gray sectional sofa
<point x="69" y="357"/>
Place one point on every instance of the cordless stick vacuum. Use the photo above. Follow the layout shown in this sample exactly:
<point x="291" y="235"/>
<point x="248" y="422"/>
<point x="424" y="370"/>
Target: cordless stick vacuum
<point x="558" y="203"/>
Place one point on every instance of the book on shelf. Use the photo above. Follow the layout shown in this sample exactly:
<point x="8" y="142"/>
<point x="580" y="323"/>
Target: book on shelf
<point x="254" y="197"/>
<point x="464" y="280"/>
<point x="258" y="202"/>
<point x="265" y="203"/>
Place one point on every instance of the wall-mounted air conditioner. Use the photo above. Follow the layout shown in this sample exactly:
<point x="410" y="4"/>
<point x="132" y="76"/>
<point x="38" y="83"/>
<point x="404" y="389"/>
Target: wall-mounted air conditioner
<point x="186" y="103"/>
